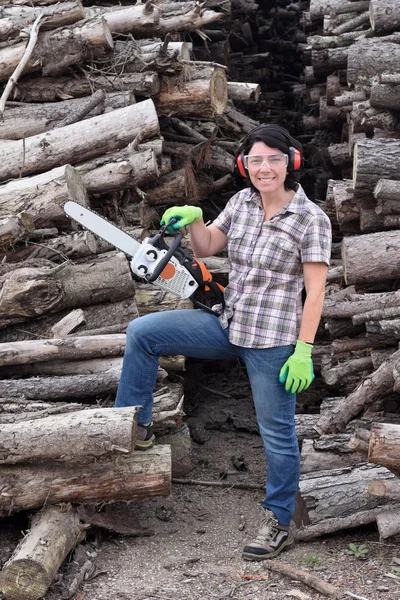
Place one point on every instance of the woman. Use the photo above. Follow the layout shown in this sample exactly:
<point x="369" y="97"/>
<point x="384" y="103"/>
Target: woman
<point x="278" y="243"/>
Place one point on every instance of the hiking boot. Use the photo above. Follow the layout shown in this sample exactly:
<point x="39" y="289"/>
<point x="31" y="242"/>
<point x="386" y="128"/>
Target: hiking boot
<point x="270" y="540"/>
<point x="144" y="437"/>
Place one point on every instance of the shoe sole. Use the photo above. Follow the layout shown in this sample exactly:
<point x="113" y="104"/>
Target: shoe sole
<point x="145" y="445"/>
<point x="285" y="546"/>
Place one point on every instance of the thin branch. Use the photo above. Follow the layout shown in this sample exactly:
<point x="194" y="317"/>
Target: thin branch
<point x="22" y="64"/>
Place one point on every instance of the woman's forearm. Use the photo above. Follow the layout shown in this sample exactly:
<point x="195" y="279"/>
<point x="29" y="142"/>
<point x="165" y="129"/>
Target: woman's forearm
<point x="206" y="241"/>
<point x="311" y="316"/>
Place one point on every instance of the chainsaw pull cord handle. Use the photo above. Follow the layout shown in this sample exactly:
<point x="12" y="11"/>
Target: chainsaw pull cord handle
<point x="159" y="242"/>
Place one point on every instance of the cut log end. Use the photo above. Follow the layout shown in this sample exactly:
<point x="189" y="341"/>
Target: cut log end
<point x="218" y="91"/>
<point x="24" y="578"/>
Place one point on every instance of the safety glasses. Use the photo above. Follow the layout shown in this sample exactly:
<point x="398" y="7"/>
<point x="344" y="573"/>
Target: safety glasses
<point x="256" y="161"/>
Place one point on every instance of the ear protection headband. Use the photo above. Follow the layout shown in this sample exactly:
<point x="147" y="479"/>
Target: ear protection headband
<point x="295" y="155"/>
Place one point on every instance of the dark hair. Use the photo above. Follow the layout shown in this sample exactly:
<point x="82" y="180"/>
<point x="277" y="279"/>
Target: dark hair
<point x="273" y="136"/>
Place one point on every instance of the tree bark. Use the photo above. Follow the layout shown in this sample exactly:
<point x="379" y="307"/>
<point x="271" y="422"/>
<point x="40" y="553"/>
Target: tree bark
<point x="319" y="8"/>
<point x="29" y="292"/>
<point x="371" y="257"/>
<point x="314" y="459"/>
<point x="41" y="197"/>
<point x="56" y="49"/>
<point x="366" y="61"/>
<point x="384" y="446"/>
<point x="384" y="15"/>
<point x="51" y="89"/>
<point x="63" y="349"/>
<point x="22" y="120"/>
<point x="387" y="194"/>
<point x="83" y="436"/>
<point x="385" y="96"/>
<point x="54" y="532"/>
<point x="198" y="91"/>
<point x="79" y="141"/>
<point x="134" y="476"/>
<point x="356" y="304"/>
<point x="339" y="493"/>
<point x="388" y="522"/>
<point x="376" y="385"/>
<point x="15" y="18"/>
<point x="139" y="20"/>
<point x="15" y="228"/>
<point x="141" y="56"/>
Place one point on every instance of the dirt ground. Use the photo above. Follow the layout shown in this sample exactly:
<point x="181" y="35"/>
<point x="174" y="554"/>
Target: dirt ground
<point x="194" y="552"/>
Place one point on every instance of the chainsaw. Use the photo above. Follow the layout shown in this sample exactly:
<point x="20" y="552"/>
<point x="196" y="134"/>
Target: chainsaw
<point x="171" y="268"/>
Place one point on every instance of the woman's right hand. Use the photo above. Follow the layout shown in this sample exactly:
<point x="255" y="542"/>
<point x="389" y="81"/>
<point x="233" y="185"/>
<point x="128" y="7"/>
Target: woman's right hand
<point x="184" y="215"/>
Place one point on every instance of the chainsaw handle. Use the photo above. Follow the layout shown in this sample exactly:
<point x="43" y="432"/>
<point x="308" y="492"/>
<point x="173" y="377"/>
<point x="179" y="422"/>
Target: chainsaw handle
<point x="165" y="259"/>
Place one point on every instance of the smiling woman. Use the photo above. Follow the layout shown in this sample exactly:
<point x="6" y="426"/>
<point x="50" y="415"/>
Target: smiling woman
<point x="278" y="242"/>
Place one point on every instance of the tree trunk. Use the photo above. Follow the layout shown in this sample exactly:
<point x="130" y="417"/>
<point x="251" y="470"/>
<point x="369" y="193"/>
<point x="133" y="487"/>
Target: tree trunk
<point x="384" y="15"/>
<point x="387" y="194"/>
<point x="29" y="292"/>
<point x="79" y="141"/>
<point x="56" y="49"/>
<point x="314" y="459"/>
<point x="51" y="89"/>
<point x="15" y="228"/>
<point x="134" y="476"/>
<point x="82" y="367"/>
<point x="23" y="120"/>
<point x="54" y="532"/>
<point x="140" y="20"/>
<point x="41" y="197"/>
<point x="376" y="385"/>
<point x="384" y="446"/>
<point x="15" y="18"/>
<point x="385" y="96"/>
<point x="199" y="91"/>
<point x="83" y="436"/>
<point x="63" y="349"/>
<point x="319" y="8"/>
<point x="388" y="522"/>
<point x="139" y="57"/>
<point x="339" y="493"/>
<point x="367" y="60"/>
<point x="371" y="257"/>
<point x="356" y="304"/>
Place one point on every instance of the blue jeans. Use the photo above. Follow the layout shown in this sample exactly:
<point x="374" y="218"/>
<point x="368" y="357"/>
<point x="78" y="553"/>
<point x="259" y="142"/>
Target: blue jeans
<point x="198" y="334"/>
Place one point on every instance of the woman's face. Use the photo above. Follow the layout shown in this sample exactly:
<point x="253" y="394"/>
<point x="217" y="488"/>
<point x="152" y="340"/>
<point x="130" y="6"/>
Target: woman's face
<point x="266" y="167"/>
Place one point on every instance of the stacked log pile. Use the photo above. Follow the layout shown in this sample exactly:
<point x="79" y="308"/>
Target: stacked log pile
<point x="350" y="96"/>
<point x="131" y="109"/>
<point x="126" y="110"/>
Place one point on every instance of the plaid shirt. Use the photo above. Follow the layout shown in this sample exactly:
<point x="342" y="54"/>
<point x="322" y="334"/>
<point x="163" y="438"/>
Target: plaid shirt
<point x="263" y="297"/>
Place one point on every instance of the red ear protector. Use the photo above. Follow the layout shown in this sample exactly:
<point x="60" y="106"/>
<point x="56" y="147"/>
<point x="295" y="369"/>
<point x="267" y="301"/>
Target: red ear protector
<point x="295" y="155"/>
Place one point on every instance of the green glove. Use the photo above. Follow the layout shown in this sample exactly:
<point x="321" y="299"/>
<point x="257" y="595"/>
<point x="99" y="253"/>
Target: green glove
<point x="185" y="215"/>
<point x="298" y="372"/>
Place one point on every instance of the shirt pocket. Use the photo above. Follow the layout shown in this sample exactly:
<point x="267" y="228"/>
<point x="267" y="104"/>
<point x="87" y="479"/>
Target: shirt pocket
<point x="238" y="245"/>
<point x="281" y="255"/>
